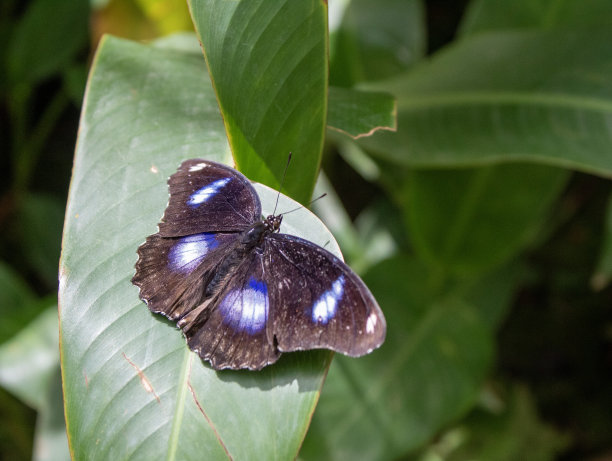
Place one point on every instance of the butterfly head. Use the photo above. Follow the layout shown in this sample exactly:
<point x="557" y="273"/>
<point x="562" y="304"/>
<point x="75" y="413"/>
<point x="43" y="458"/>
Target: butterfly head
<point x="273" y="223"/>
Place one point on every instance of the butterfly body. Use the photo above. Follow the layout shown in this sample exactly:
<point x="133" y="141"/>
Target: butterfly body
<point x="241" y="291"/>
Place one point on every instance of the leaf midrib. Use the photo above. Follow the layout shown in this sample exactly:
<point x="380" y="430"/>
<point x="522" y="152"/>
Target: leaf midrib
<point x="177" y="419"/>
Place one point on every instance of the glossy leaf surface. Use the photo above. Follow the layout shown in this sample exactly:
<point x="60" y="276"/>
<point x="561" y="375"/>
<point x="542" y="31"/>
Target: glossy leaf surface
<point x="268" y="64"/>
<point x="537" y="96"/>
<point x="132" y="387"/>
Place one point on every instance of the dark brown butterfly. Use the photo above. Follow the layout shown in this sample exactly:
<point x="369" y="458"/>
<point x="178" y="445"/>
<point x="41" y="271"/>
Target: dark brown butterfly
<point x="242" y="292"/>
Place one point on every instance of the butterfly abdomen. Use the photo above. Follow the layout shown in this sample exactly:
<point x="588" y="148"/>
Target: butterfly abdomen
<point x="248" y="240"/>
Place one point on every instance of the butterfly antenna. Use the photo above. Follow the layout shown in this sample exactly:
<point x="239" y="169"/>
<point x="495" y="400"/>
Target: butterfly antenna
<point x="302" y="206"/>
<point x="282" y="183"/>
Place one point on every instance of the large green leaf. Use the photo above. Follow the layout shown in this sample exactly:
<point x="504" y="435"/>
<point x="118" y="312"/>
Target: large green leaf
<point x="132" y="388"/>
<point x="537" y="96"/>
<point x="268" y="64"/>
<point x="485" y="15"/>
<point x="471" y="220"/>
<point x="437" y="353"/>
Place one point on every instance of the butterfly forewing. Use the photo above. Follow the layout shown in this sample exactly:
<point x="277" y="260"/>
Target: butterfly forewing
<point x="208" y="197"/>
<point x="318" y="301"/>
<point x="172" y="273"/>
<point x="210" y="205"/>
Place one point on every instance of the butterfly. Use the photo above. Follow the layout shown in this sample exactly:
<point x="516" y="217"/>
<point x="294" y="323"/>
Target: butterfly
<point x="242" y="292"/>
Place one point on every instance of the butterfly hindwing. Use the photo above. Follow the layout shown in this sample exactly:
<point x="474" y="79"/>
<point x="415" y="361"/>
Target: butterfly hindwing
<point x="207" y="196"/>
<point x="317" y="301"/>
<point x="172" y="273"/>
<point x="232" y="329"/>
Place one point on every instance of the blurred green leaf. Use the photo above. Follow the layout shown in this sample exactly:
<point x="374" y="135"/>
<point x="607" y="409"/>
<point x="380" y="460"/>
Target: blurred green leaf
<point x="50" y="441"/>
<point x="18" y="303"/>
<point x="75" y="78"/>
<point x="603" y="273"/>
<point x="16" y="429"/>
<point x="514" y="432"/>
<point x="132" y="388"/>
<point x="268" y="63"/>
<point x="537" y="96"/>
<point x="14" y="292"/>
<point x="356" y="157"/>
<point x="360" y="113"/>
<point x="428" y="372"/>
<point x="47" y="39"/>
<point x="376" y="43"/>
<point x="28" y="360"/>
<point x="41" y="220"/>
<point x="485" y="15"/>
<point x="330" y="209"/>
<point x="493" y="293"/>
<point x="468" y="221"/>
<point x="363" y="244"/>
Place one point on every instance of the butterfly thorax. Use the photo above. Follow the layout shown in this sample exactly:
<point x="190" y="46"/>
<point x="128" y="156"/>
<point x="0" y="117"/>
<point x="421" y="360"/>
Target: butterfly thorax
<point x="250" y="239"/>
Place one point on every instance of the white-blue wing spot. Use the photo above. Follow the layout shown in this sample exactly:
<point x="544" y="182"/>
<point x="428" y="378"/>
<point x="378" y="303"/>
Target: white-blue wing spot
<point x="246" y="309"/>
<point x="188" y="251"/>
<point x="325" y="307"/>
<point x="203" y="194"/>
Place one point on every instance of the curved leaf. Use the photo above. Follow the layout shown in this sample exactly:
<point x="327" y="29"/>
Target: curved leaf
<point x="485" y="15"/>
<point x="537" y="96"/>
<point x="132" y="388"/>
<point x="268" y="63"/>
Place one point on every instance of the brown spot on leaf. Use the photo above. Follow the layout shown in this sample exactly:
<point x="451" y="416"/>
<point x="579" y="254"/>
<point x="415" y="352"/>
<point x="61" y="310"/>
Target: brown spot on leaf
<point x="146" y="384"/>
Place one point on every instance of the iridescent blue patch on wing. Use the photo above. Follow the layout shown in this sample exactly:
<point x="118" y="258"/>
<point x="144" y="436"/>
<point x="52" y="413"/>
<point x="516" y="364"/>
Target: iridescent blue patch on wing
<point x="325" y="307"/>
<point x="246" y="309"/>
<point x="188" y="251"/>
<point x="205" y="193"/>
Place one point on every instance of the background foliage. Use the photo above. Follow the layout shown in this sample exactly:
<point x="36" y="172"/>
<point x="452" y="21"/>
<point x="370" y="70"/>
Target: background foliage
<point x="482" y="223"/>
